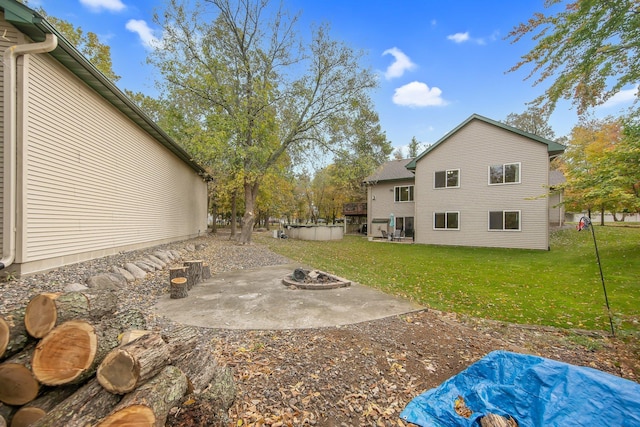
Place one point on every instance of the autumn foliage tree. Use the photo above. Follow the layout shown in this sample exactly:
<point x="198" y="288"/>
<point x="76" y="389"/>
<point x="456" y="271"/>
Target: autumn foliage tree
<point x="244" y="62"/>
<point x="589" y="49"/>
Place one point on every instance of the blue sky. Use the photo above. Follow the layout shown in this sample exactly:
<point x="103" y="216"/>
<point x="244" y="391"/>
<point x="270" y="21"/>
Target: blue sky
<point x="438" y="61"/>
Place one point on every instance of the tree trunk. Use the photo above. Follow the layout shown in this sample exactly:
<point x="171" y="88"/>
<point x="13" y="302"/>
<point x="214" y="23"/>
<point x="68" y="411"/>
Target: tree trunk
<point x="150" y="403"/>
<point x="132" y="335"/>
<point x="178" y="288"/>
<point x="602" y="211"/>
<point x="206" y="272"/>
<point x="127" y="367"/>
<point x="18" y="385"/>
<point x="47" y="310"/>
<point x="181" y="341"/>
<point x="248" y="220"/>
<point x="175" y="272"/>
<point x="13" y="334"/>
<point x="234" y="213"/>
<point x="83" y="408"/>
<point x="71" y="352"/>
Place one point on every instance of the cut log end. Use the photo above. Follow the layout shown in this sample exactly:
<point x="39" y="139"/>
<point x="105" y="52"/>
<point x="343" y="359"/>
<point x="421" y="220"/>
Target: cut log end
<point x="41" y="315"/>
<point x="134" y="415"/>
<point x="5" y="333"/>
<point x="17" y="384"/>
<point x="118" y="373"/>
<point x="65" y="353"/>
<point x="26" y="416"/>
<point x="179" y="288"/>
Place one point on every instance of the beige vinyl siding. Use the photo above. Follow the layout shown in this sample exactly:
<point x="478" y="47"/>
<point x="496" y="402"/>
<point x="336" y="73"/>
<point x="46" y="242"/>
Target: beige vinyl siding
<point x="385" y="204"/>
<point x="10" y="38"/>
<point x="92" y="181"/>
<point x="472" y="150"/>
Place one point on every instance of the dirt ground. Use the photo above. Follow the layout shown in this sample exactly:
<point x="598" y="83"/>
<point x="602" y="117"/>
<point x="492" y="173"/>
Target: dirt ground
<point x="365" y="374"/>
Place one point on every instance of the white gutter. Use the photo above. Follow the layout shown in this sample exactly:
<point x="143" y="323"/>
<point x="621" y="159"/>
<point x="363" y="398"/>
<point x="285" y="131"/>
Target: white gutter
<point x="10" y="61"/>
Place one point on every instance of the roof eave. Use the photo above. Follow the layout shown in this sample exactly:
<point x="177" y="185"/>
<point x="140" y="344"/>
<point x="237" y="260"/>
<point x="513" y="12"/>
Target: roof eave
<point x="36" y="27"/>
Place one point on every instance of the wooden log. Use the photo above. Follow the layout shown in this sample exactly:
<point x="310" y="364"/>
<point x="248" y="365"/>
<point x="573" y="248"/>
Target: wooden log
<point x="17" y="382"/>
<point x="179" y="287"/>
<point x="150" y="403"/>
<point x="495" y="420"/>
<point x="85" y="407"/>
<point x="72" y="351"/>
<point x="132" y="335"/>
<point x="38" y="408"/>
<point x="3" y="422"/>
<point x="181" y="341"/>
<point x="194" y="272"/>
<point x="13" y="334"/>
<point x="47" y="310"/>
<point x="127" y="367"/>
<point x="6" y="413"/>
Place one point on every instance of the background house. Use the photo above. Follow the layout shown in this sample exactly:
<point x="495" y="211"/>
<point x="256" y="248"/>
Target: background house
<point x="93" y="174"/>
<point x="390" y="190"/>
<point x="484" y="184"/>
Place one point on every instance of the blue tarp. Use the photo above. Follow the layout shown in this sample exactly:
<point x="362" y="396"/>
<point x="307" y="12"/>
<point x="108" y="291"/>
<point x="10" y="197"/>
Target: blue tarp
<point x="533" y="390"/>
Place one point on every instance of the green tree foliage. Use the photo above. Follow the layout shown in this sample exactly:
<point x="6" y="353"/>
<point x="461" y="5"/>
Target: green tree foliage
<point x="587" y="165"/>
<point x="591" y="48"/>
<point x="414" y="148"/>
<point x="533" y="121"/>
<point x="89" y="45"/>
<point x="249" y="68"/>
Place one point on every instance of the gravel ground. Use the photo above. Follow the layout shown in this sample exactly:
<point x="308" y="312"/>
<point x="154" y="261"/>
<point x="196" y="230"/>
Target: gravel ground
<point x="355" y="375"/>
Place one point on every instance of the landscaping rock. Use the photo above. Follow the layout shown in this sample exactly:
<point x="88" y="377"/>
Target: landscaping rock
<point x="125" y="273"/>
<point x="136" y="271"/>
<point x="106" y="282"/>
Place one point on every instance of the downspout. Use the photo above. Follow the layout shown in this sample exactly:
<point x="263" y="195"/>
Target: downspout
<point x="10" y="61"/>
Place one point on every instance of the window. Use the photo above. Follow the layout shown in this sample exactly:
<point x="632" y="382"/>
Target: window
<point x="446" y="220"/>
<point x="504" y="220"/>
<point x="508" y="173"/>
<point x="404" y="194"/>
<point x="447" y="179"/>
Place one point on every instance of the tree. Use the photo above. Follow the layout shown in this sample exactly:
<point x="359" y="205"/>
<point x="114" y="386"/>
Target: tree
<point x="414" y="147"/>
<point x="89" y="44"/>
<point x="591" y="48"/>
<point x="587" y="166"/>
<point x="534" y="121"/>
<point x="274" y="94"/>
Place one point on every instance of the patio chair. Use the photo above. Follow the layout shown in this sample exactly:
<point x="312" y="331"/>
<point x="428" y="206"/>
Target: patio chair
<point x="384" y="234"/>
<point x="398" y="235"/>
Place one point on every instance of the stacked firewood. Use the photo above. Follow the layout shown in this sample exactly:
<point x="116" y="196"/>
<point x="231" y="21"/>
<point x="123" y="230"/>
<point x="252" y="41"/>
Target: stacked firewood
<point x="72" y="359"/>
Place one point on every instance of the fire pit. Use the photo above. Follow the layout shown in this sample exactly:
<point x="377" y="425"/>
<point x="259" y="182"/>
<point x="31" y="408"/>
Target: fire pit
<point x="314" y="279"/>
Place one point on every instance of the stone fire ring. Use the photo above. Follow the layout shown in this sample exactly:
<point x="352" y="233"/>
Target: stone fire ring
<point x="336" y="282"/>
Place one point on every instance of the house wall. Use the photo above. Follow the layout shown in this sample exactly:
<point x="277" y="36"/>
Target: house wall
<point x="90" y="181"/>
<point x="384" y="204"/>
<point x="473" y="149"/>
<point x="556" y="210"/>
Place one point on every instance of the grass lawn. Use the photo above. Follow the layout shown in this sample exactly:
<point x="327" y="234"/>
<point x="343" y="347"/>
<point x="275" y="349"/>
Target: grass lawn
<point x="561" y="287"/>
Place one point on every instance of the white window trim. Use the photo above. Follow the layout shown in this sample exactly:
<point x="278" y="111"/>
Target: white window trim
<point x="403" y="201"/>
<point x="433" y="221"/>
<point x="519" y="181"/>
<point x="504" y="229"/>
<point x="445" y="179"/>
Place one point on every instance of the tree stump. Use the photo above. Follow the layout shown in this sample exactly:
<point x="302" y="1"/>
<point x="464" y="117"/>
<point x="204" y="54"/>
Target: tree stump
<point x="206" y="272"/>
<point x="127" y="367"/>
<point x="13" y="334"/>
<point x="85" y="407"/>
<point x="177" y="272"/>
<point x="179" y="287"/>
<point x="18" y="385"/>
<point x="149" y="404"/>
<point x="194" y="272"/>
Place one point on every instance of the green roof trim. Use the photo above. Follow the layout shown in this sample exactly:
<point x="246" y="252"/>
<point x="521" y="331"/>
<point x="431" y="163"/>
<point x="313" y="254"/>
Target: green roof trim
<point x="36" y="27"/>
<point x="553" y="148"/>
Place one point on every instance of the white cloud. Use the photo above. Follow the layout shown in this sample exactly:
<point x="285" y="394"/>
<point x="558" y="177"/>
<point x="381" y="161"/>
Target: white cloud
<point x="142" y="29"/>
<point x="98" y="5"/>
<point x="465" y="37"/>
<point x="621" y="97"/>
<point x="401" y="64"/>
<point x="459" y="37"/>
<point x="418" y="94"/>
